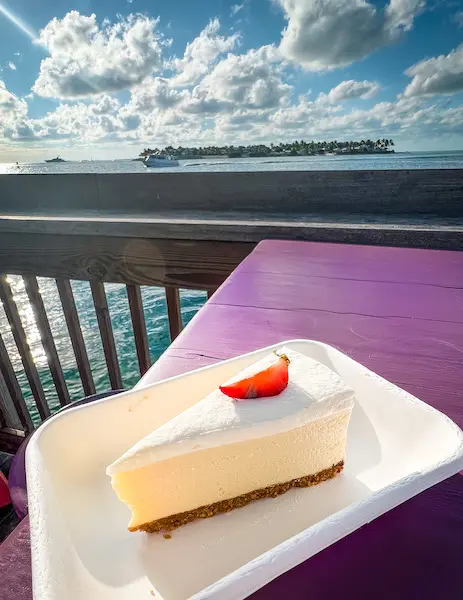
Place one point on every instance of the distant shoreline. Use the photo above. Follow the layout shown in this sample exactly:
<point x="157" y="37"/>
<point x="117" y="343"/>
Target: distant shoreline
<point x="271" y="155"/>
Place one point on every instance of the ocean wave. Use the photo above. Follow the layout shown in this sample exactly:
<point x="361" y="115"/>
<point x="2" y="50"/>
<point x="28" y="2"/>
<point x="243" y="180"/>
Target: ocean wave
<point x="208" y="162"/>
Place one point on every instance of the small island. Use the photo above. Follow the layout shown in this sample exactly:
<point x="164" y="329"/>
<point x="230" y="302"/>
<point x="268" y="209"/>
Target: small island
<point x="301" y="148"/>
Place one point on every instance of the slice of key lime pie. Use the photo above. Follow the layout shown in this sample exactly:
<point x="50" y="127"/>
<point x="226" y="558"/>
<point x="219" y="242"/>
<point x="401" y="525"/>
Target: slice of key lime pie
<point x="280" y="423"/>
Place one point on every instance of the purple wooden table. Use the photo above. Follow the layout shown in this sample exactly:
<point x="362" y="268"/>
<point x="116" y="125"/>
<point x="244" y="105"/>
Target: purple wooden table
<point x="397" y="311"/>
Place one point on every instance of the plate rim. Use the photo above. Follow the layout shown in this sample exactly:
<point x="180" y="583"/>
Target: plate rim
<point x="356" y="514"/>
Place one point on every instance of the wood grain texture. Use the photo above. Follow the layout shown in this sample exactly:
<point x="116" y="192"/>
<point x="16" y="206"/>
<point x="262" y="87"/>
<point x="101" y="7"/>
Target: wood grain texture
<point x="415" y="354"/>
<point x="75" y="333"/>
<point x="12" y="314"/>
<point x="433" y="191"/>
<point x="174" y="312"/>
<point x="139" y="327"/>
<point x="100" y="303"/>
<point x="245" y="228"/>
<point x="46" y="336"/>
<point x="186" y="264"/>
<point x="413" y="266"/>
<point x="14" y="390"/>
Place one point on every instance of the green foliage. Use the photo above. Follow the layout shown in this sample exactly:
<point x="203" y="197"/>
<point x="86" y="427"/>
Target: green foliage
<point x="297" y="148"/>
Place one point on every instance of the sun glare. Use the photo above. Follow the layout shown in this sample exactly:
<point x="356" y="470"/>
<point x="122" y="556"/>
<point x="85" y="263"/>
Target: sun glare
<point x="18" y="22"/>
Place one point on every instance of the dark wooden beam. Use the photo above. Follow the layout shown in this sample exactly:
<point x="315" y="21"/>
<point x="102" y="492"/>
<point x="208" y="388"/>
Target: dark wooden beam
<point x="187" y="264"/>
<point x="400" y="192"/>
<point x="11" y="439"/>
<point x="174" y="312"/>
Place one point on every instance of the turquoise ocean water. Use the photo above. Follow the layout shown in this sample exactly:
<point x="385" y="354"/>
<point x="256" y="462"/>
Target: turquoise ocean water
<point x="153" y="298"/>
<point x="154" y="304"/>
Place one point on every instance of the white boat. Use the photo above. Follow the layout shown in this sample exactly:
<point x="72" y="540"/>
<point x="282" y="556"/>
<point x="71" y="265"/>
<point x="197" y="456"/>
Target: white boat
<point x="55" y="160"/>
<point x="159" y="160"/>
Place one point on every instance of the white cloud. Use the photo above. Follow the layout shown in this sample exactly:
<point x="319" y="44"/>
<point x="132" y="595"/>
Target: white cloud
<point x="12" y="66"/>
<point x="458" y="18"/>
<point x="11" y="107"/>
<point x="349" y="90"/>
<point x="105" y="105"/>
<point x="86" y="59"/>
<point x="156" y="94"/>
<point x="13" y="112"/>
<point x="439" y="75"/>
<point x="201" y="53"/>
<point x="235" y="8"/>
<point x="213" y="94"/>
<point x="80" y="122"/>
<point x="328" y="34"/>
<point x="251" y="81"/>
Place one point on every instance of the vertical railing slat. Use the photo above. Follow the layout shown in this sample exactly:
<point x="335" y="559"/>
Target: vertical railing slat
<point x="12" y="314"/>
<point x="14" y="388"/>
<point x="106" y="331"/>
<point x="75" y="333"/>
<point x="139" y="327"/>
<point x="10" y="416"/>
<point x="174" y="311"/>
<point x="46" y="335"/>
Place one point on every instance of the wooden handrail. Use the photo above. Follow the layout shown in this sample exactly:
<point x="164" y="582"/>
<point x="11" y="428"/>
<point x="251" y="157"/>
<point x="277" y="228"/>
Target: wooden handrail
<point x="170" y="263"/>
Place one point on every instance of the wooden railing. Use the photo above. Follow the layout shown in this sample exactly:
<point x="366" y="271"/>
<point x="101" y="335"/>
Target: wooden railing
<point x="180" y="231"/>
<point x="194" y="265"/>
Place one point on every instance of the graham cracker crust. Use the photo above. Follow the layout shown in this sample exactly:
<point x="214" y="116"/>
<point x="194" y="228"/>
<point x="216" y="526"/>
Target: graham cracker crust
<point x="205" y="512"/>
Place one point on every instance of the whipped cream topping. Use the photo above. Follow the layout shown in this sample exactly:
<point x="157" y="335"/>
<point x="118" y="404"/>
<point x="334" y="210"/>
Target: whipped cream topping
<point x="314" y="391"/>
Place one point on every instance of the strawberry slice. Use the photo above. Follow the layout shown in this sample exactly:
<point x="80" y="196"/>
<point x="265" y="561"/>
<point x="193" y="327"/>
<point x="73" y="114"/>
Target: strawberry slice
<point x="269" y="382"/>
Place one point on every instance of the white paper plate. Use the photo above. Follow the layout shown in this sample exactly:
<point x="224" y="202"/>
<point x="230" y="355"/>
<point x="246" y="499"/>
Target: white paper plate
<point x="81" y="549"/>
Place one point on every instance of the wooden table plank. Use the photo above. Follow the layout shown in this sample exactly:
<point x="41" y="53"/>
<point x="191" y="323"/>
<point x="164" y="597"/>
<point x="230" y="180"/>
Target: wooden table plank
<point x="368" y="298"/>
<point x="423" y="357"/>
<point x="372" y="263"/>
<point x="412" y="551"/>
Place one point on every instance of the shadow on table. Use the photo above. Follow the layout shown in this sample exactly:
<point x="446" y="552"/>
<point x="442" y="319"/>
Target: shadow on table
<point x="413" y="551"/>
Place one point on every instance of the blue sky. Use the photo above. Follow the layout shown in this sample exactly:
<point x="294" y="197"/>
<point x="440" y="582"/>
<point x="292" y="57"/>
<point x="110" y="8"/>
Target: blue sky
<point x="107" y="77"/>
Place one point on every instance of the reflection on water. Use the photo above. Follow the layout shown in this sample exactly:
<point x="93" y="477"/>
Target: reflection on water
<point x="157" y="324"/>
